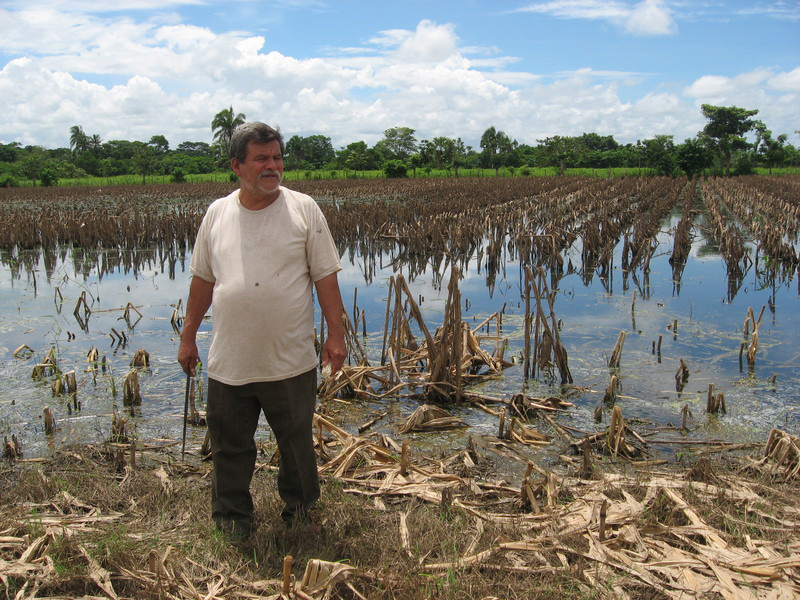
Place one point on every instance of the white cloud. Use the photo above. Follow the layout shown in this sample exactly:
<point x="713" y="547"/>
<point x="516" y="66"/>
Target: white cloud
<point x="430" y="43"/>
<point x="780" y="10"/>
<point x="128" y="79"/>
<point x="721" y="88"/>
<point x="92" y="6"/>
<point x="776" y="95"/>
<point x="786" y="82"/>
<point x="648" y="17"/>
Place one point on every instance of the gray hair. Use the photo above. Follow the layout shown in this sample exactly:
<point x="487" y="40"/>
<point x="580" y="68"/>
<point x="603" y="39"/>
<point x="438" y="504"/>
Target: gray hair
<point x="253" y="131"/>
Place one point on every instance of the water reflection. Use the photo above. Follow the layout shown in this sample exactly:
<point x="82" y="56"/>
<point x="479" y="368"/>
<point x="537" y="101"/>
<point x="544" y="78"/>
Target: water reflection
<point x="681" y="299"/>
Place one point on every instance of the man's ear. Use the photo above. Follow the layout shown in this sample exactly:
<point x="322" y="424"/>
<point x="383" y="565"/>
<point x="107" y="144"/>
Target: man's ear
<point x="236" y="166"/>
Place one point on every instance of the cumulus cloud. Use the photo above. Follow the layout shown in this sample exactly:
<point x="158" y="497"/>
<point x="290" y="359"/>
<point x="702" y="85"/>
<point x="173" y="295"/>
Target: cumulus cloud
<point x="754" y="90"/>
<point x="648" y="17"/>
<point x="128" y="79"/>
<point x="786" y="82"/>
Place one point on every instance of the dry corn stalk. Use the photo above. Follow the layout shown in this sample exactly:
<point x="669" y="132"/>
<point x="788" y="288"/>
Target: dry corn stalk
<point x="616" y="354"/>
<point x="614" y="441"/>
<point x="527" y="435"/>
<point x="176" y="320"/>
<point x="49" y="421"/>
<point x="682" y="374"/>
<point x="57" y="387"/>
<point x="23" y="351"/>
<point x="48" y="366"/>
<point x="752" y="348"/>
<point x="92" y="358"/>
<point x="431" y="418"/>
<point x="615" y="437"/>
<point x="547" y="349"/>
<point x="782" y="452"/>
<point x="82" y="304"/>
<point x="611" y="392"/>
<point x="12" y="448"/>
<point x="130" y="389"/>
<point x="119" y="429"/>
<point x="64" y="384"/>
<point x="322" y="576"/>
<point x="141" y="358"/>
<point x="127" y="314"/>
<point x="686" y="414"/>
<point x="715" y="402"/>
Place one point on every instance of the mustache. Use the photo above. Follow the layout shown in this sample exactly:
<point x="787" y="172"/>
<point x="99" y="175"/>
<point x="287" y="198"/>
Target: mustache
<point x="269" y="173"/>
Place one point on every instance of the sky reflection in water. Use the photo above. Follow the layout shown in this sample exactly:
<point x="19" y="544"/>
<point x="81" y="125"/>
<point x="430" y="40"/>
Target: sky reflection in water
<point x="708" y="338"/>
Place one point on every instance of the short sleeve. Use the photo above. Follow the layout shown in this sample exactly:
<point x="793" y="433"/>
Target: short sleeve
<point x="200" y="264"/>
<point x="323" y="257"/>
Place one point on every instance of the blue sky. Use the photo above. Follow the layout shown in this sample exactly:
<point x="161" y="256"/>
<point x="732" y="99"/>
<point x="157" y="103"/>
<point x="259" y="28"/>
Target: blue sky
<point x="131" y="69"/>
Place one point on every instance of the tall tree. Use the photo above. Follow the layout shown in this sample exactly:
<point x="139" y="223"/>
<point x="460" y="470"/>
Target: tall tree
<point x="397" y="143"/>
<point x="560" y="151"/>
<point x="359" y="157"/>
<point x="726" y="129"/>
<point x="312" y="152"/>
<point x="95" y="143"/>
<point x="222" y="126"/>
<point x="295" y="153"/>
<point x="774" y="150"/>
<point x="195" y="149"/>
<point x="459" y="157"/>
<point x="692" y="157"/>
<point x="492" y="143"/>
<point x="78" y="140"/>
<point x="497" y="149"/>
<point x="34" y="162"/>
<point x="443" y="151"/>
<point x="319" y="150"/>
<point x="660" y="154"/>
<point x="143" y="160"/>
<point x="159" y="143"/>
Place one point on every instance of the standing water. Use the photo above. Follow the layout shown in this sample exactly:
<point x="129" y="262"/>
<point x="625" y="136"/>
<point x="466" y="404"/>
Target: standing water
<point x="74" y="300"/>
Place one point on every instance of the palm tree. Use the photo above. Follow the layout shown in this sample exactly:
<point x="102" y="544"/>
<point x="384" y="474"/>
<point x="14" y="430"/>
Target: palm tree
<point x="95" y="142"/>
<point x="223" y="125"/>
<point x="78" y="140"/>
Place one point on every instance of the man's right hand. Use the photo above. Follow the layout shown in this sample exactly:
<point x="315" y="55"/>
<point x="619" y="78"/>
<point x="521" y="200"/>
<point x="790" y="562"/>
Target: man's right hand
<point x="188" y="356"/>
<point x="200" y="295"/>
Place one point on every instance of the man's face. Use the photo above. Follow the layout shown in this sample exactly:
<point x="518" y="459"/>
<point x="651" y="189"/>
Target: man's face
<point x="261" y="172"/>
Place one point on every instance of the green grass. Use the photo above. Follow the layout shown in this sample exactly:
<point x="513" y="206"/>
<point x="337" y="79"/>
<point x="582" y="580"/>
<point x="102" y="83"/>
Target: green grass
<point x="137" y="179"/>
<point x="323" y="174"/>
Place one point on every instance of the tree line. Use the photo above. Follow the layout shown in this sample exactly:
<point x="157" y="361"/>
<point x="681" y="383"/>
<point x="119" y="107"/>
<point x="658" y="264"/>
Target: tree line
<point x="721" y="147"/>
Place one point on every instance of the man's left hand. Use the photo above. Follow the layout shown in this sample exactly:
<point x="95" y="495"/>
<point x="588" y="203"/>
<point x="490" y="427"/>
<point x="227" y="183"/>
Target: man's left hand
<point x="334" y="352"/>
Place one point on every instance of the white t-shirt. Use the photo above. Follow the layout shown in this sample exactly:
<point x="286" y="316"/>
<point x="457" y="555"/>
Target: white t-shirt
<point x="262" y="264"/>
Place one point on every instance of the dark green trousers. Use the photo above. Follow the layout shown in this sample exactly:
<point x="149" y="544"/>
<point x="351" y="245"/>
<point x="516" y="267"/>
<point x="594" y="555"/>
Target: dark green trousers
<point x="232" y="415"/>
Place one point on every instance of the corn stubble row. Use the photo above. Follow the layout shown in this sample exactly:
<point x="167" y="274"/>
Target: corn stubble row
<point x="436" y="222"/>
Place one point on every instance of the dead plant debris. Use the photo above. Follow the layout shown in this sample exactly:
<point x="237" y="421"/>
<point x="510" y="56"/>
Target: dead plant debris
<point x="95" y="521"/>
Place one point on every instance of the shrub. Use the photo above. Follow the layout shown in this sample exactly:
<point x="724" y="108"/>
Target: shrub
<point x="178" y="176"/>
<point x="743" y="165"/>
<point x="49" y="177"/>
<point x="7" y="180"/>
<point x="395" y="169"/>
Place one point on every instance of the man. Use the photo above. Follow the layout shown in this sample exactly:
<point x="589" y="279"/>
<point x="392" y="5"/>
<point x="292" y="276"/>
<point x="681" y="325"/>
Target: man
<point x="257" y="253"/>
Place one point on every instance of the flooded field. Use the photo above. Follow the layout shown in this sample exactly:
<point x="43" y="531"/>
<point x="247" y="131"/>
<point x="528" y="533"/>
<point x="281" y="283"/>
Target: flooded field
<point x="702" y="278"/>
